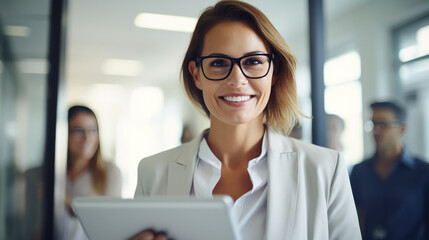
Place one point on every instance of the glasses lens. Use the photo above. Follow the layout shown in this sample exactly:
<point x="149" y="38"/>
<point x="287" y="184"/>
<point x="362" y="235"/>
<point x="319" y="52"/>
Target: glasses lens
<point x="369" y="126"/>
<point x="82" y="131"/>
<point x="216" y="67"/>
<point x="78" y="131"/>
<point x="255" y="66"/>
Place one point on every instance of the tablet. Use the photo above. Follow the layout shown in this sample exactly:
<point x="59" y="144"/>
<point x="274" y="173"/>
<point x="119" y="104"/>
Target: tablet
<point x="181" y="217"/>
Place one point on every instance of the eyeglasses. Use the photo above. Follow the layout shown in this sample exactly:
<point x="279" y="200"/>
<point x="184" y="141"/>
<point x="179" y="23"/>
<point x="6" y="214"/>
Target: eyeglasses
<point x="81" y="131"/>
<point x="217" y="68"/>
<point x="370" y="125"/>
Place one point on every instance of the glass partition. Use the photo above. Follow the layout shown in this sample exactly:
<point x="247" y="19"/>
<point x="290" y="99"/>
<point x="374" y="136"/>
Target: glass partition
<point x="24" y="39"/>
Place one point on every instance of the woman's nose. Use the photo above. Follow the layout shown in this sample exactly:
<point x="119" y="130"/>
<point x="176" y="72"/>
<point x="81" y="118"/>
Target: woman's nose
<point x="85" y="135"/>
<point x="236" y="78"/>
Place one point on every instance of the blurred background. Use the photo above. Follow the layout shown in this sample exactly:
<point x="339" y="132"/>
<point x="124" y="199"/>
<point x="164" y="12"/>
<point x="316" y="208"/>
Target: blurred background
<point x="128" y="73"/>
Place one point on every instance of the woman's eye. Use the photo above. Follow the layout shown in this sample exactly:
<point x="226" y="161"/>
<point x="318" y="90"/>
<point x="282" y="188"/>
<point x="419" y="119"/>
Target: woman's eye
<point x="252" y="61"/>
<point x="219" y="63"/>
<point x="78" y="131"/>
<point x="92" y="130"/>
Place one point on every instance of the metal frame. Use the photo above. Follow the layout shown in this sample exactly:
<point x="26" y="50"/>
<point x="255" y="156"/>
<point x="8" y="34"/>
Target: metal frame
<point x="55" y="96"/>
<point x="317" y="61"/>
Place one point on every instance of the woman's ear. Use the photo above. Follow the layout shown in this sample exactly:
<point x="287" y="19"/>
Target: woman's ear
<point x="194" y="70"/>
<point x="273" y="80"/>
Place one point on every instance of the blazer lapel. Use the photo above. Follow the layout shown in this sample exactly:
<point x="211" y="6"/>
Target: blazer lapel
<point x="181" y="171"/>
<point x="179" y="179"/>
<point x="282" y="187"/>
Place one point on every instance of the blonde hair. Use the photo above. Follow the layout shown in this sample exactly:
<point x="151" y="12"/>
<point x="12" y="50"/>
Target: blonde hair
<point x="282" y="112"/>
<point x="97" y="167"/>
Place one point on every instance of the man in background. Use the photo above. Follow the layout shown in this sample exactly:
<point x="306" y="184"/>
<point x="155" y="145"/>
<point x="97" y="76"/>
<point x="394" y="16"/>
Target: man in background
<point x="391" y="188"/>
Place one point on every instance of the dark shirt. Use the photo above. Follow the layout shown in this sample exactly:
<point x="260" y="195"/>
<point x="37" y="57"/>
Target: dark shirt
<point x="396" y="207"/>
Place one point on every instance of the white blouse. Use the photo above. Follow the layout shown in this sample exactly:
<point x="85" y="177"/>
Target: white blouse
<point x="70" y="227"/>
<point x="251" y="208"/>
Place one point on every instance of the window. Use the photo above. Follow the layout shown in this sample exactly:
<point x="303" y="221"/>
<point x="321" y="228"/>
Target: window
<point x="343" y="97"/>
<point x="411" y="55"/>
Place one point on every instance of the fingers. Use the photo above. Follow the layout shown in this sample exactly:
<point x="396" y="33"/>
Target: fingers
<point x="145" y="235"/>
<point x="160" y="237"/>
<point x="150" y="235"/>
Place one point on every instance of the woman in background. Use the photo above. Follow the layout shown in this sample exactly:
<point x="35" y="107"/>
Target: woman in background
<point x="87" y="173"/>
<point x="240" y="72"/>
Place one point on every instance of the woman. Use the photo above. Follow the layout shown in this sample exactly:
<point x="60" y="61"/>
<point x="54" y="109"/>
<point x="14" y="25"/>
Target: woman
<point x="87" y="173"/>
<point x="240" y="72"/>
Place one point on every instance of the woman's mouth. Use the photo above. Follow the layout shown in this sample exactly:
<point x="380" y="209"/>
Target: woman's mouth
<point x="237" y="99"/>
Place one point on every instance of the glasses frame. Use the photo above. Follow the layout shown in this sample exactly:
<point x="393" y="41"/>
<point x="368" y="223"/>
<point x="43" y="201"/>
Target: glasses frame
<point x="370" y="125"/>
<point x="79" y="131"/>
<point x="237" y="61"/>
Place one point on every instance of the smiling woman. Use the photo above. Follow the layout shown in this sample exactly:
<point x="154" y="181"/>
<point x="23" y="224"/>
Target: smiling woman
<point x="87" y="173"/>
<point x="240" y="72"/>
<point x="234" y="39"/>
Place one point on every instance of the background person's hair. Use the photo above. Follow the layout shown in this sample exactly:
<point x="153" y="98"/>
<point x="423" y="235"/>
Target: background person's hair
<point x="96" y="164"/>
<point x="399" y="111"/>
<point x="337" y="118"/>
<point x="282" y="111"/>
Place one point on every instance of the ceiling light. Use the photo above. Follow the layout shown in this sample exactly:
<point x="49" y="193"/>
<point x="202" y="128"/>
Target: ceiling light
<point x="122" y="67"/>
<point x="408" y="53"/>
<point x="16" y="31"/>
<point x="165" y="22"/>
<point x="423" y="40"/>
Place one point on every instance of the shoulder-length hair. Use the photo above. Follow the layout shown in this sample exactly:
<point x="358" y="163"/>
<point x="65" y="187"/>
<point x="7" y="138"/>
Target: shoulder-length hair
<point x="96" y="164"/>
<point x="282" y="111"/>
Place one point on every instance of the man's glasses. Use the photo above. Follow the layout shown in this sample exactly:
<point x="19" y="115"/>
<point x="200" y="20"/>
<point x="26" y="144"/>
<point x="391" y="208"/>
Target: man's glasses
<point x="78" y="131"/>
<point x="370" y="125"/>
<point x="252" y="66"/>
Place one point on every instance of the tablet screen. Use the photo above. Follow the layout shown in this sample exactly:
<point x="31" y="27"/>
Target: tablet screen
<point x="181" y="217"/>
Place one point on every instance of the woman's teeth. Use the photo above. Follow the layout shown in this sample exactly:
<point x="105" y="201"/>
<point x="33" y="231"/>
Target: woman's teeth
<point x="237" y="99"/>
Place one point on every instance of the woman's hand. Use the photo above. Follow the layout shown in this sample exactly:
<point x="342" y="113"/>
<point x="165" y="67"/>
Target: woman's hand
<point x="150" y="235"/>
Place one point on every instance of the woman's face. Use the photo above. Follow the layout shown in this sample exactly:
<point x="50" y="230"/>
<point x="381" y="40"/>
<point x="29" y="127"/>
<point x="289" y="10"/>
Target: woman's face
<point x="83" y="136"/>
<point x="236" y="99"/>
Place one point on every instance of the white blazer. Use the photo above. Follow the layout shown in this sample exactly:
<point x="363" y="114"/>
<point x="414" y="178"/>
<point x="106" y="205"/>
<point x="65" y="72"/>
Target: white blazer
<point x="309" y="193"/>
